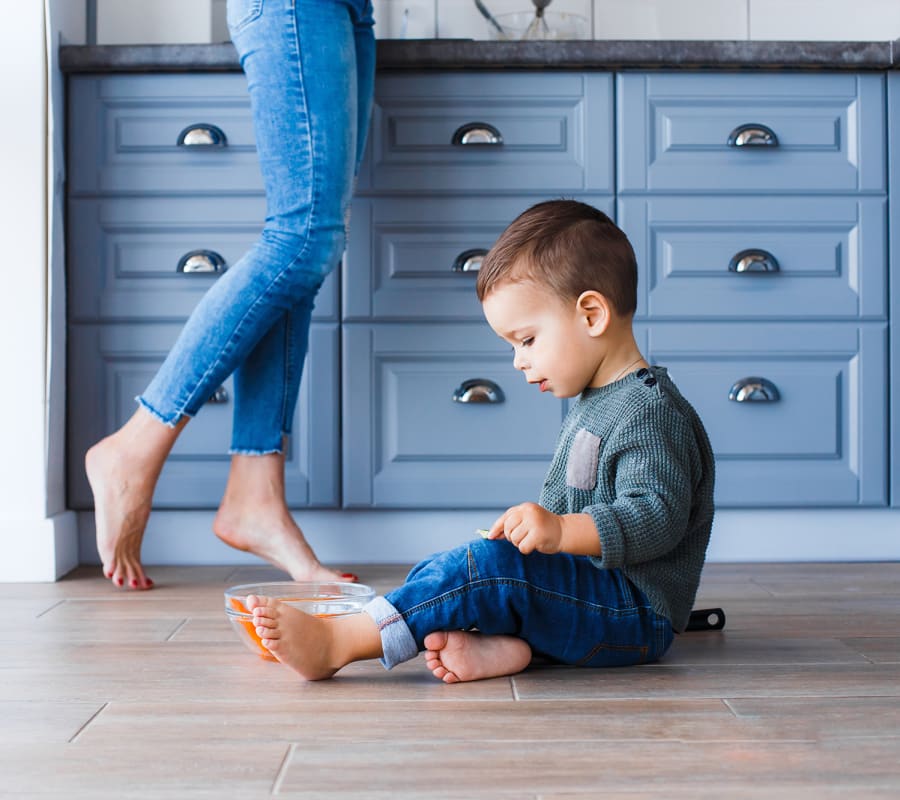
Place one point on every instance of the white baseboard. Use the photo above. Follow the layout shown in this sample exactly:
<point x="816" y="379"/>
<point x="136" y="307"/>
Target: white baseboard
<point x="37" y="550"/>
<point x="345" y="537"/>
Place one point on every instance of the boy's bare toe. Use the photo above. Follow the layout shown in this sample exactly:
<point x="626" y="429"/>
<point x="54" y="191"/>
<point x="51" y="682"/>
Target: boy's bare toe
<point x="261" y="605"/>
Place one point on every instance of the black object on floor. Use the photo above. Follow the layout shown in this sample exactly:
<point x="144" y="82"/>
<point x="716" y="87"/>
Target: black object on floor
<point x="706" y="619"/>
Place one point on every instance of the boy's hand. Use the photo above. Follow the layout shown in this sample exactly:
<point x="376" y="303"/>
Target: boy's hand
<point x="529" y="527"/>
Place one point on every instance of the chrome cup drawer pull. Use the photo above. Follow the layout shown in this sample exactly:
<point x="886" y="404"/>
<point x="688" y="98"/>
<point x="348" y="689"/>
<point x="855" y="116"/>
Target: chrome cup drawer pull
<point x="752" y="135"/>
<point x="478" y="390"/>
<point x="201" y="261"/>
<point x="754" y="261"/>
<point x="753" y="390"/>
<point x="219" y="396"/>
<point x="477" y="133"/>
<point x="202" y="134"/>
<point x="469" y="260"/>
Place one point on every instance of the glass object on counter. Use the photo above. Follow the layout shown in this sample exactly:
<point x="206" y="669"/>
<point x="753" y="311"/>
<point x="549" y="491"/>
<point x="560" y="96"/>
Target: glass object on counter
<point x="527" y="26"/>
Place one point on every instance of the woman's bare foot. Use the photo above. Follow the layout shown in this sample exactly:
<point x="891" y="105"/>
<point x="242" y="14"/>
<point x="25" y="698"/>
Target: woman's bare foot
<point x="456" y="656"/>
<point x="122" y="470"/>
<point x="315" y="648"/>
<point x="254" y="517"/>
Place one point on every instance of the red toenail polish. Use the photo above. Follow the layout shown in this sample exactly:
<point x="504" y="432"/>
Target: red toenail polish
<point x="149" y="582"/>
<point x="119" y="581"/>
<point x="350" y="576"/>
<point x="134" y="581"/>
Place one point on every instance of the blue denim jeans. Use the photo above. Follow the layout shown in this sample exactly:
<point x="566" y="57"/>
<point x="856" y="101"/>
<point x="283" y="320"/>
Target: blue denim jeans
<point x="568" y="610"/>
<point x="310" y="68"/>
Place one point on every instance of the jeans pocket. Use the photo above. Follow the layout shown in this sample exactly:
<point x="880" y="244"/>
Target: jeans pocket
<point x="240" y="13"/>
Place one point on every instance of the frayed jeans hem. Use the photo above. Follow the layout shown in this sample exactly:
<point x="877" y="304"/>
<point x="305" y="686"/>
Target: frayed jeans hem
<point x="168" y="422"/>
<point x="242" y="451"/>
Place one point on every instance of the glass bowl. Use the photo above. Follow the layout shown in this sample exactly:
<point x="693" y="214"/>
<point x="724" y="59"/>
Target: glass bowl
<point x="322" y="599"/>
<point x="522" y="25"/>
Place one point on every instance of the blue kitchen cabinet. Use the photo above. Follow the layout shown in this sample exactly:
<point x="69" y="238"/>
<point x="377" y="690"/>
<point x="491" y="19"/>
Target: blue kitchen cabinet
<point x="750" y="133"/>
<point x="795" y="412"/>
<point x="781" y="257"/>
<point x="418" y="258"/>
<point x="109" y="364"/>
<point x="757" y="207"/>
<point x="152" y="258"/>
<point x="161" y="134"/>
<point x="164" y="196"/>
<point x="436" y="416"/>
<point x="490" y="132"/>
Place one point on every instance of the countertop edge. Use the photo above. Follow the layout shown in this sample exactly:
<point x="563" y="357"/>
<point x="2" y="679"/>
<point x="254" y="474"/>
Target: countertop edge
<point x="427" y="54"/>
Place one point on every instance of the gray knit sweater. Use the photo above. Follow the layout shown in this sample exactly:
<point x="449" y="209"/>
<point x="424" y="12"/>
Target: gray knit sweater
<point x="634" y="455"/>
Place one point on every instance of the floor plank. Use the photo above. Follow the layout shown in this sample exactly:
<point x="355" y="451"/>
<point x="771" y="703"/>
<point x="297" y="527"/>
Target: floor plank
<point x="111" y="693"/>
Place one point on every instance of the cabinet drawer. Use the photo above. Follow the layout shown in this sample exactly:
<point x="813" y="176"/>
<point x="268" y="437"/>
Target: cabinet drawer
<point x="416" y="258"/>
<point x="408" y="444"/>
<point x="109" y="365"/>
<point x="124" y="254"/>
<point x="816" y="256"/>
<point x="124" y="132"/>
<point x="550" y="131"/>
<point x="822" y="442"/>
<point x="674" y="131"/>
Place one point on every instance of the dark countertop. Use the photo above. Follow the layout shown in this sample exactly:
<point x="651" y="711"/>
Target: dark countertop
<point x="468" y="54"/>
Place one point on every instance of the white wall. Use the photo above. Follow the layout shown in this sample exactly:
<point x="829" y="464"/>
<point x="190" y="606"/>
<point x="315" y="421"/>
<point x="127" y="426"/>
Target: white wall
<point x="174" y="21"/>
<point x="38" y="537"/>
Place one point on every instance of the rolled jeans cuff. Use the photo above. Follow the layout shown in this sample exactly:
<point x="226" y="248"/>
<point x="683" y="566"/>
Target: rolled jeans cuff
<point x="397" y="641"/>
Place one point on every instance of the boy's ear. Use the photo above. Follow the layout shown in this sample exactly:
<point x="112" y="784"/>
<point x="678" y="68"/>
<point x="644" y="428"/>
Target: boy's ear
<point x="595" y="310"/>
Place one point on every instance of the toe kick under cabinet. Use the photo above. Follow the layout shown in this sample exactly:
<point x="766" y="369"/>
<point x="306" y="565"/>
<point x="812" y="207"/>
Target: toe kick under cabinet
<point x="757" y="206"/>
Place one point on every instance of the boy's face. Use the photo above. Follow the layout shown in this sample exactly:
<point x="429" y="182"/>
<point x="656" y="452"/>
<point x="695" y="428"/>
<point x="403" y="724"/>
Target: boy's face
<point x="551" y="342"/>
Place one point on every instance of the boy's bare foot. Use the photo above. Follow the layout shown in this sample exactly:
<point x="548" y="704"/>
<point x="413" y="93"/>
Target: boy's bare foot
<point x="456" y="656"/>
<point x="122" y="500"/>
<point x="298" y="640"/>
<point x="254" y="517"/>
<point x="315" y="648"/>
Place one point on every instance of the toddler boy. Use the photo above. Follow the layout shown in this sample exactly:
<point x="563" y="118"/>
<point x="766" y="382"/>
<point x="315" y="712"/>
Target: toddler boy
<point x="604" y="569"/>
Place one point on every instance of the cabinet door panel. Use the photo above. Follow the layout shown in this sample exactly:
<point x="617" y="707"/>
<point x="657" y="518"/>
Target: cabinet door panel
<point x="109" y="365"/>
<point x="829" y="255"/>
<point x="554" y="131"/>
<point x="408" y="444"/>
<point x="124" y="253"/>
<point x="125" y="129"/>
<point x="821" y="442"/>
<point x="674" y="131"/>
<point x="402" y="253"/>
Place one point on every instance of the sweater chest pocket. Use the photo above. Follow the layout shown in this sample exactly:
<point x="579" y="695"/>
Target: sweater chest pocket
<point x="583" y="460"/>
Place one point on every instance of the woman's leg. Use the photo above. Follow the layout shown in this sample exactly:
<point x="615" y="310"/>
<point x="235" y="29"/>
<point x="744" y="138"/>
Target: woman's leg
<point x="253" y="514"/>
<point x="307" y="142"/>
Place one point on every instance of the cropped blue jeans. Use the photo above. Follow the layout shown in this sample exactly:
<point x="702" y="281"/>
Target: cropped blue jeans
<point x="568" y="610"/>
<point x="310" y="68"/>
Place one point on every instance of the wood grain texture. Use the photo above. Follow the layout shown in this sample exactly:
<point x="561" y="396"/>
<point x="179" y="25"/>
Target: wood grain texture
<point x="106" y="693"/>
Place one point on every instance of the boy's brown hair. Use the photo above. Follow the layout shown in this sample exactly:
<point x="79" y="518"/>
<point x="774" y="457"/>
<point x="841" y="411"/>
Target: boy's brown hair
<point x="569" y="247"/>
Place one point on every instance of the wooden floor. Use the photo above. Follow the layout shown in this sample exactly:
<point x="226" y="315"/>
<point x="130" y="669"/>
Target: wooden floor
<point x="105" y="693"/>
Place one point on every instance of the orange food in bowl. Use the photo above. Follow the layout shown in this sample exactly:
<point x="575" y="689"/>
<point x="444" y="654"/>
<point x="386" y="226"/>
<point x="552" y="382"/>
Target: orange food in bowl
<point x="248" y="626"/>
<point x="321" y="599"/>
